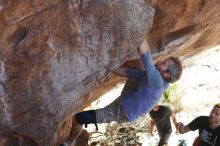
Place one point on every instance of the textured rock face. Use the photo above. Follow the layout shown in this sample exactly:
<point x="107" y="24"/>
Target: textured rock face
<point x="189" y="26"/>
<point x="53" y="53"/>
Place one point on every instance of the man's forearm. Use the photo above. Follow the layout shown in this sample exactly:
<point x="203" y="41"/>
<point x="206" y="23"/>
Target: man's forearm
<point x="144" y="47"/>
<point x="151" y="127"/>
<point x="182" y="129"/>
<point x="173" y="116"/>
<point x="175" y="121"/>
<point x="120" y="72"/>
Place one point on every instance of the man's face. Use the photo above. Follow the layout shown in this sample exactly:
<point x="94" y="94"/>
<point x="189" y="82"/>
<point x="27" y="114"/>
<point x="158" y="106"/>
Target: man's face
<point x="162" y="66"/>
<point x="214" y="118"/>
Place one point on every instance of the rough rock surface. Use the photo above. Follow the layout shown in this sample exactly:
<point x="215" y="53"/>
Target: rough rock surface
<point x="55" y="53"/>
<point x="189" y="26"/>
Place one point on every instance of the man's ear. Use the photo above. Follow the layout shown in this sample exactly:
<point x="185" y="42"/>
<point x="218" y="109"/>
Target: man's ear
<point x="166" y="75"/>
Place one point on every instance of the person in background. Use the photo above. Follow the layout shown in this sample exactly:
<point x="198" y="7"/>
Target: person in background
<point x="161" y="117"/>
<point x="208" y="126"/>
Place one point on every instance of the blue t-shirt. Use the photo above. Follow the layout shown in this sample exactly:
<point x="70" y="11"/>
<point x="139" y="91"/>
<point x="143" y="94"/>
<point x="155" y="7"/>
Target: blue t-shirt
<point x="149" y="91"/>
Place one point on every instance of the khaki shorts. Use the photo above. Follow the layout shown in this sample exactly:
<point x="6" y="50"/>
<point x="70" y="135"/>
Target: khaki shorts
<point x="112" y="112"/>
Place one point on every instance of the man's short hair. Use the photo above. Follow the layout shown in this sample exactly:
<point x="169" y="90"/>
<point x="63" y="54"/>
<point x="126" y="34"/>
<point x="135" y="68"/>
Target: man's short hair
<point x="218" y="105"/>
<point x="175" y="70"/>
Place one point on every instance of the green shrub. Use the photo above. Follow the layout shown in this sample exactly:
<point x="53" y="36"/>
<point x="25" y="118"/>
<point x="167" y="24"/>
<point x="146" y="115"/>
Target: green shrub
<point x="172" y="96"/>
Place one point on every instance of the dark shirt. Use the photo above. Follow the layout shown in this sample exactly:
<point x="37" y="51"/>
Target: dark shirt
<point x="207" y="136"/>
<point x="161" y="119"/>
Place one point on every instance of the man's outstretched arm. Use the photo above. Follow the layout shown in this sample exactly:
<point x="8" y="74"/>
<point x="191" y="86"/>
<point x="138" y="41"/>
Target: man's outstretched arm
<point x="133" y="73"/>
<point x="129" y="73"/>
<point x="120" y="71"/>
<point x="144" y="48"/>
<point x="137" y="73"/>
<point x="182" y="128"/>
<point x="173" y="117"/>
<point x="151" y="127"/>
<point x="153" y="76"/>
